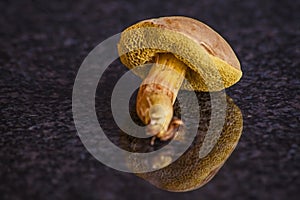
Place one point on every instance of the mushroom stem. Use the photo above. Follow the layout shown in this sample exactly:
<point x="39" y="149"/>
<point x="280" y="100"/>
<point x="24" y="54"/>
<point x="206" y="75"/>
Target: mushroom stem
<point x="158" y="93"/>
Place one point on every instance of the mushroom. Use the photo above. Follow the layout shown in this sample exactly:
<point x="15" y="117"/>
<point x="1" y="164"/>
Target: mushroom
<point x="199" y="51"/>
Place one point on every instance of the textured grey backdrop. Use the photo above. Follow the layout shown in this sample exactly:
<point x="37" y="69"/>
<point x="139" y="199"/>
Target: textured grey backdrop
<point x="42" y="44"/>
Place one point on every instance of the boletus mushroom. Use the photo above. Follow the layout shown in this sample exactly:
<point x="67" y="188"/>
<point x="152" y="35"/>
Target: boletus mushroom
<point x="184" y="53"/>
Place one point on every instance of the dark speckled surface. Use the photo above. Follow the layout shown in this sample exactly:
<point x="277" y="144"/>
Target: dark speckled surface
<point x="42" y="44"/>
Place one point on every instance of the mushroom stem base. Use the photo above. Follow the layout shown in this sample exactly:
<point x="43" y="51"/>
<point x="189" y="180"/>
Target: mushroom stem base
<point x="158" y="93"/>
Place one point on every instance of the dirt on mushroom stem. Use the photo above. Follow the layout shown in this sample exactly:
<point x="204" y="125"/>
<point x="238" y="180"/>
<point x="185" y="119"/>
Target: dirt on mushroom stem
<point x="157" y="95"/>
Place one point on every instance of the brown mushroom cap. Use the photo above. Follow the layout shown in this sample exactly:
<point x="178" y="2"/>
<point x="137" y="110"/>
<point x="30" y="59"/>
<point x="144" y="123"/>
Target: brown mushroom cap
<point x="194" y="43"/>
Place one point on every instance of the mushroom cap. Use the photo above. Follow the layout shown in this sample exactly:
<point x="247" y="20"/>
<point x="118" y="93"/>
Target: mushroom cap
<point x="212" y="64"/>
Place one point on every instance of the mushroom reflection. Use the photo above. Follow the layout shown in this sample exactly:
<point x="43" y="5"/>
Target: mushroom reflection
<point x="189" y="171"/>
